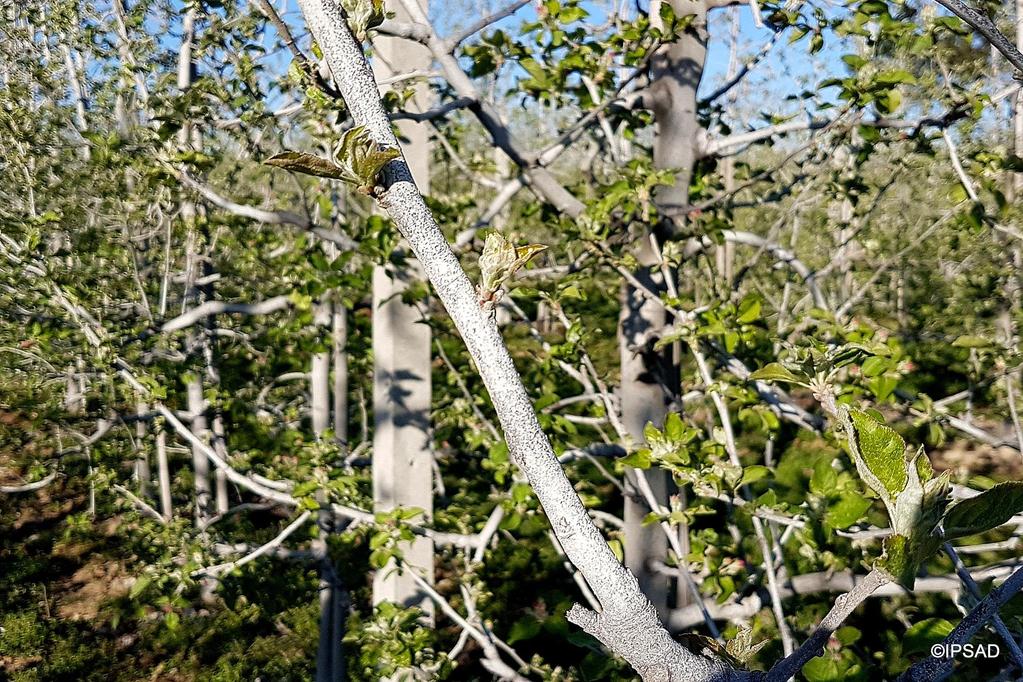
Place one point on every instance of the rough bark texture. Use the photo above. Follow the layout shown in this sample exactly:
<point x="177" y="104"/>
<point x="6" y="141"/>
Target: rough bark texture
<point x="402" y="389"/>
<point x="628" y="624"/>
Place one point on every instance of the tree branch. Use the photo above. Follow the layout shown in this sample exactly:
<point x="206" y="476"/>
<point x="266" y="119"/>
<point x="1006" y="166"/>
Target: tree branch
<point x="261" y="215"/>
<point x="974" y="590"/>
<point x="814" y="645"/>
<point x="29" y="487"/>
<point x="937" y="668"/>
<point x="628" y="624"/>
<point x="986" y="28"/>
<point x="221" y="569"/>
<point x="511" y="9"/>
<point x="271" y="305"/>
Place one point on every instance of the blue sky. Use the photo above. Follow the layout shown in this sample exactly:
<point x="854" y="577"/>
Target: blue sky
<point x="787" y="70"/>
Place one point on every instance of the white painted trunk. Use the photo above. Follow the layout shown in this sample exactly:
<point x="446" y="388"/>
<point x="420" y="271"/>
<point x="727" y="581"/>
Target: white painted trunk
<point x="319" y="376"/>
<point x="402" y="454"/>
<point x="142" y="457"/>
<point x="340" y="339"/>
<point x="643" y="400"/>
<point x="163" y="473"/>
<point x="200" y="464"/>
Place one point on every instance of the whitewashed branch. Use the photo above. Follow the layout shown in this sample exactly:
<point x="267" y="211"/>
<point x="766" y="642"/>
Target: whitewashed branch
<point x="271" y="305"/>
<point x="628" y="623"/>
<point x="221" y="569"/>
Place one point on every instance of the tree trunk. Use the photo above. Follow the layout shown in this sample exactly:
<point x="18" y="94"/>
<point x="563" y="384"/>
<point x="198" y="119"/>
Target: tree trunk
<point x="142" y="473"/>
<point x="163" y="472"/>
<point x="644" y="398"/>
<point x="329" y="655"/>
<point x="648" y="378"/>
<point x="319" y="377"/>
<point x="200" y="464"/>
<point x="196" y="401"/>
<point x="340" y="360"/>
<point x="402" y="454"/>
<point x="676" y="72"/>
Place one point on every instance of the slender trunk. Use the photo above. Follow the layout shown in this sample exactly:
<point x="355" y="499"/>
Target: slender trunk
<point x="163" y="472"/>
<point x="200" y="464"/>
<point x="644" y="398"/>
<point x="676" y="72"/>
<point x="320" y="372"/>
<point x="218" y="435"/>
<point x="142" y="473"/>
<point x="402" y="454"/>
<point x="196" y="402"/>
<point x="189" y="137"/>
<point x="340" y="361"/>
<point x="329" y="656"/>
<point x="649" y="379"/>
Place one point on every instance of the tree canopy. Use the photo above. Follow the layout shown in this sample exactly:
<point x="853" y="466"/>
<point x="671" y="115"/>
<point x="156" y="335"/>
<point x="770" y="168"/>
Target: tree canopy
<point x="560" y="340"/>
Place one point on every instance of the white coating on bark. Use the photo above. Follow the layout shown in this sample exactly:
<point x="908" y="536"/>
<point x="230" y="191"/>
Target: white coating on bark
<point x="628" y="624"/>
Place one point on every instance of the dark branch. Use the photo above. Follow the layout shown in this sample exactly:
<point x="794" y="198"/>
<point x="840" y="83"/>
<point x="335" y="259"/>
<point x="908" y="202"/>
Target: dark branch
<point x="986" y="28"/>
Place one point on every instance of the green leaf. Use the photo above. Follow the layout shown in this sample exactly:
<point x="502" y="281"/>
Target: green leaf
<point x="895" y="76"/>
<point x="988" y="510"/>
<point x="849" y="509"/>
<point x="172" y="620"/>
<point x="310" y="164"/>
<point x="500" y="260"/>
<point x="742" y="648"/>
<point x="897" y="561"/>
<point x="363" y="15"/>
<point x="921" y="636"/>
<point x="524" y="628"/>
<point x="889" y="101"/>
<point x="570" y="292"/>
<point x="362" y="158"/>
<point x="882" y="387"/>
<point x="640" y="459"/>
<point x="674" y="429"/>
<point x="140" y="586"/>
<point x="776" y="372"/>
<point x="847" y="635"/>
<point x="855" y="62"/>
<point x="754" y="472"/>
<point x="971" y="342"/>
<point x="823" y="669"/>
<point x="749" y="309"/>
<point x="824" y="478"/>
<point x="874" y="366"/>
<point x="879" y="453"/>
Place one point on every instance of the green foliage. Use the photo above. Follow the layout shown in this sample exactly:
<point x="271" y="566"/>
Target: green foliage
<point x="914" y="499"/>
<point x="925" y="633"/>
<point x="363" y="15"/>
<point x="393" y="639"/>
<point x="98" y="251"/>
<point x="499" y="261"/>
<point x="988" y="510"/>
<point x="358" y="160"/>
